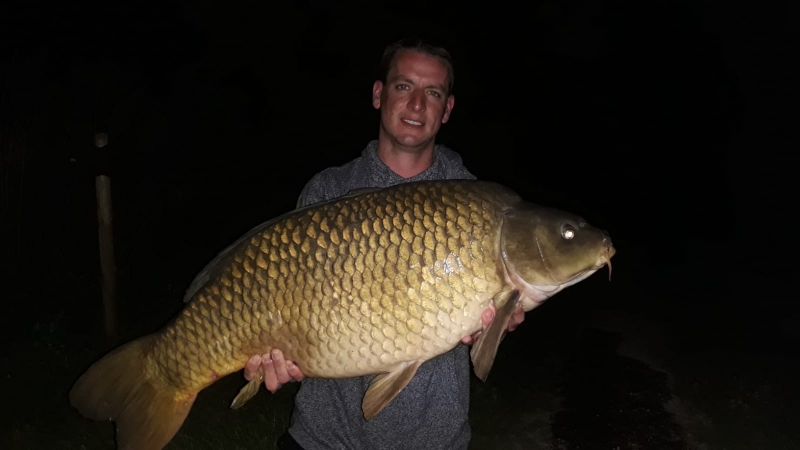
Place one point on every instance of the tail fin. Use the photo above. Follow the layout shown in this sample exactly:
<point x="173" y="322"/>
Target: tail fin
<point x="117" y="388"/>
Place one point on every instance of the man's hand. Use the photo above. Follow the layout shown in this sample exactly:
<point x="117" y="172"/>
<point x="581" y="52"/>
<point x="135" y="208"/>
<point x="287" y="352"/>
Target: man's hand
<point x="277" y="371"/>
<point x="517" y="317"/>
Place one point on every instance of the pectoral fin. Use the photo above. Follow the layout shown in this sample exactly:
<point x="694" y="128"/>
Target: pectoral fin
<point x="249" y="390"/>
<point x="485" y="349"/>
<point x="386" y="386"/>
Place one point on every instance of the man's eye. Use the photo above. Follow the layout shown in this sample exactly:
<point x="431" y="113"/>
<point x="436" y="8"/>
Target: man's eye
<point x="435" y="94"/>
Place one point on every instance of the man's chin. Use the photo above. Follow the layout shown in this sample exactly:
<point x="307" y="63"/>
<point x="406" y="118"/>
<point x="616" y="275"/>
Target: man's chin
<point x="412" y="141"/>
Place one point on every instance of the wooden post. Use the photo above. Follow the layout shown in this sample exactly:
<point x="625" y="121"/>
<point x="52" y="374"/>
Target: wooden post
<point x="108" y="268"/>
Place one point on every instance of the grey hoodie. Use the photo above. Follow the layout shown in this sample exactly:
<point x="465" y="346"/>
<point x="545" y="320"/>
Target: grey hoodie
<point x="431" y="412"/>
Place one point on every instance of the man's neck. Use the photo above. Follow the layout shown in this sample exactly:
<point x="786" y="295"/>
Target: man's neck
<point x="404" y="161"/>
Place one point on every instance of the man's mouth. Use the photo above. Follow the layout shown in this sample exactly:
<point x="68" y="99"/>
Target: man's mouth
<point x="412" y="122"/>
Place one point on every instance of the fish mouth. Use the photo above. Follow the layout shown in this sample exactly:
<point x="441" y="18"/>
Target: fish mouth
<point x="603" y="260"/>
<point x="534" y="295"/>
<point x="606" y="259"/>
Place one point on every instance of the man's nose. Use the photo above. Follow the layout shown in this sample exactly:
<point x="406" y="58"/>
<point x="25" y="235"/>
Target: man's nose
<point x="416" y="102"/>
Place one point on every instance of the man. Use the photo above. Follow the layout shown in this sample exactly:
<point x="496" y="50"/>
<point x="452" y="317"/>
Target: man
<point x="415" y="98"/>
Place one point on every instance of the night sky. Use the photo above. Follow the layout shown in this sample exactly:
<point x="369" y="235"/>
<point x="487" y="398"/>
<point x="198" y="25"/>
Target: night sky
<point x="666" y="123"/>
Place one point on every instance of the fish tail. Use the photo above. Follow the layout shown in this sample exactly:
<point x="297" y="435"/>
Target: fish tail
<point x="117" y="387"/>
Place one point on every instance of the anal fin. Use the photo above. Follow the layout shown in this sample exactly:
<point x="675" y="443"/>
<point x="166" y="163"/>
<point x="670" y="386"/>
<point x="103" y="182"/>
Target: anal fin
<point x="385" y="387"/>
<point x="249" y="390"/>
<point x="485" y="349"/>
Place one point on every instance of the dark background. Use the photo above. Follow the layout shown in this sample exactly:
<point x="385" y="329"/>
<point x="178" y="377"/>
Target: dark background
<point x="666" y="123"/>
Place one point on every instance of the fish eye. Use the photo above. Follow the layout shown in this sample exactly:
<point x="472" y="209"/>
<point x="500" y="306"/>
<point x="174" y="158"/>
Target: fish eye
<point x="567" y="232"/>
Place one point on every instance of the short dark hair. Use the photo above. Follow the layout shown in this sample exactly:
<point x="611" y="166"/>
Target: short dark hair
<point x="417" y="44"/>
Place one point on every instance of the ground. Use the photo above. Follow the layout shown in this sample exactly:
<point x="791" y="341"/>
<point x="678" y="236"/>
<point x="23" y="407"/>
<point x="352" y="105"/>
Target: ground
<point x="618" y="365"/>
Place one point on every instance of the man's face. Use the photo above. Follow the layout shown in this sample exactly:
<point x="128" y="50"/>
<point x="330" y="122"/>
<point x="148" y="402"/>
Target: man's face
<point x="413" y="102"/>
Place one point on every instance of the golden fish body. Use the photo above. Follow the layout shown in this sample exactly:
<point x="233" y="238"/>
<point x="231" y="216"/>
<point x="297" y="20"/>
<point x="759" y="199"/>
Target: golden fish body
<point x="349" y="288"/>
<point x="373" y="283"/>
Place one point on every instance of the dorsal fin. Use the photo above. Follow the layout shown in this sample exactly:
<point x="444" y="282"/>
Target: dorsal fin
<point x="212" y="268"/>
<point x="359" y="191"/>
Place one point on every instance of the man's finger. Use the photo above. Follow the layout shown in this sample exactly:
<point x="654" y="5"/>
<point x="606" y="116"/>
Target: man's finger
<point x="469" y="340"/>
<point x="280" y="367"/>
<point x="270" y="378"/>
<point x="294" y="371"/>
<point x="251" y="367"/>
<point x="487" y="316"/>
<point x="516" y="318"/>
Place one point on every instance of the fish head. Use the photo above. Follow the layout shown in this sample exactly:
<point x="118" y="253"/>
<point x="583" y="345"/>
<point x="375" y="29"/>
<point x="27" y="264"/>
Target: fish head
<point x="545" y="250"/>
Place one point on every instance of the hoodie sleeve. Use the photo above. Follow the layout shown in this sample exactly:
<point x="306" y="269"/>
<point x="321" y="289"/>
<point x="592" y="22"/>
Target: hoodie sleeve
<point x="455" y="165"/>
<point x="313" y="191"/>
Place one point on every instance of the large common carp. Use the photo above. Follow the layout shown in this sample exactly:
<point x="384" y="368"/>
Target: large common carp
<point x="375" y="282"/>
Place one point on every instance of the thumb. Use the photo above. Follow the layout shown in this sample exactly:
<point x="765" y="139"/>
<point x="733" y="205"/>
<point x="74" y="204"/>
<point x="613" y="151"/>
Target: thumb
<point x="487" y="316"/>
